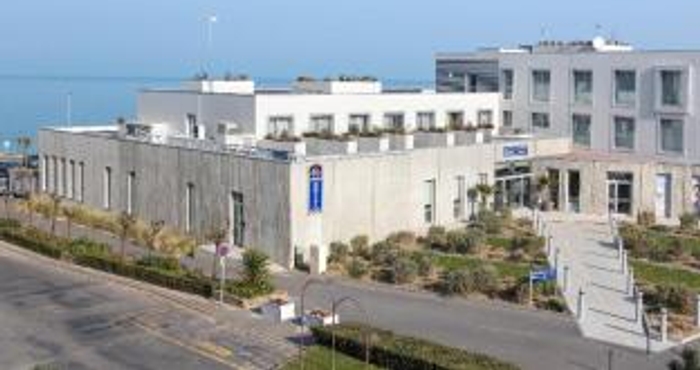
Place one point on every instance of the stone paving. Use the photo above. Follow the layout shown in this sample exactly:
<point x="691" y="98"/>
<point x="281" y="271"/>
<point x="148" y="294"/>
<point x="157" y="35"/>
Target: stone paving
<point x="590" y="265"/>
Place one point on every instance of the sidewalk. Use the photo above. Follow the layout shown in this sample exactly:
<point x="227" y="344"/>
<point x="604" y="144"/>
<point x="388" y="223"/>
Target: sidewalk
<point x="586" y="249"/>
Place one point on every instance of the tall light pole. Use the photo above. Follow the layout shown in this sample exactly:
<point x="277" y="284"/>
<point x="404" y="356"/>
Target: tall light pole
<point x="69" y="108"/>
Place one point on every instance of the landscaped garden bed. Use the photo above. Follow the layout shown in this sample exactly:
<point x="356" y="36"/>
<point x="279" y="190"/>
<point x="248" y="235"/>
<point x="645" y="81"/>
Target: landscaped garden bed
<point x="491" y="257"/>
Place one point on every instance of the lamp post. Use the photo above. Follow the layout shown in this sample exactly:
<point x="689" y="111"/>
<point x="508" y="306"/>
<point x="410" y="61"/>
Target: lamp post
<point x="336" y="305"/>
<point x="69" y="108"/>
<point x="210" y="21"/>
<point x="308" y="283"/>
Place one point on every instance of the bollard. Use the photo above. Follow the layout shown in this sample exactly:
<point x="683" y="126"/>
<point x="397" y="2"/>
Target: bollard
<point x="664" y="325"/>
<point x="581" y="307"/>
<point x="624" y="263"/>
<point x="565" y="279"/>
<point x="630" y="281"/>
<point x="556" y="259"/>
<point x="549" y="246"/>
<point x="620" y="246"/>
<point x="640" y="305"/>
<point x="697" y="310"/>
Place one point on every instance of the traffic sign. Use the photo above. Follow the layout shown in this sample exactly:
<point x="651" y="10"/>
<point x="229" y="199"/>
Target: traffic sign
<point x="543" y="275"/>
<point x="222" y="250"/>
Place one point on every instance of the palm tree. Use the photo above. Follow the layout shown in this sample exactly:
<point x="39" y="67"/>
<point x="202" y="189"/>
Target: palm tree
<point x="256" y="270"/>
<point x="126" y="224"/>
<point x="55" y="210"/>
<point x="154" y="230"/>
<point x="541" y="186"/>
<point x="485" y="191"/>
<point x="690" y="360"/>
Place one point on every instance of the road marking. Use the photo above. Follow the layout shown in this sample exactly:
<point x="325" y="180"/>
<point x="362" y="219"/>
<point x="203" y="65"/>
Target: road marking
<point x="193" y="349"/>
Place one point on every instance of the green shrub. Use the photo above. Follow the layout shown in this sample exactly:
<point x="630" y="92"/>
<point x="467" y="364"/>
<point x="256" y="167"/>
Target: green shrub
<point x="437" y="238"/>
<point x="424" y="263"/>
<point x="457" y="282"/>
<point x="676" y="298"/>
<point x="555" y="304"/>
<point x="85" y="246"/>
<point x="357" y="268"/>
<point x="465" y="241"/>
<point x="246" y="290"/>
<point x="256" y="270"/>
<point x="646" y="218"/>
<point x="485" y="279"/>
<point x="392" y="351"/>
<point x="360" y="246"/>
<point x="689" y="222"/>
<point x="403" y="271"/>
<point x="34" y="240"/>
<point x="404" y="239"/>
<point x="491" y="222"/>
<point x="171" y="264"/>
<point x="339" y="252"/>
<point x="384" y="253"/>
<point x="9" y="223"/>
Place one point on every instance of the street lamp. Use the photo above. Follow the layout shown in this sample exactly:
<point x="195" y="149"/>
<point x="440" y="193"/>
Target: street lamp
<point x="308" y="283"/>
<point x="365" y="316"/>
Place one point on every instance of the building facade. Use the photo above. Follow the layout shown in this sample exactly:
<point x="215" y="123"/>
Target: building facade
<point x="632" y="116"/>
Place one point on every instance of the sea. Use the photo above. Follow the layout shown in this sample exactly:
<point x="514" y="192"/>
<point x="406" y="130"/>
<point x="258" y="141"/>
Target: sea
<point x="28" y="102"/>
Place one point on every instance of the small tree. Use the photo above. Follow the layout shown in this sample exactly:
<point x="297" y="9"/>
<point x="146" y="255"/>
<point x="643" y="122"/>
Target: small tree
<point x="256" y="270"/>
<point x="70" y="213"/>
<point x="126" y="225"/>
<point x="154" y="229"/>
<point x="690" y="360"/>
<point x="485" y="191"/>
<point x="541" y="187"/>
<point x="55" y="210"/>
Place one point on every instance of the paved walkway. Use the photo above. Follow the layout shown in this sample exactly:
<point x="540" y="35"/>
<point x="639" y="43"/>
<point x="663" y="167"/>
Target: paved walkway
<point x="586" y="249"/>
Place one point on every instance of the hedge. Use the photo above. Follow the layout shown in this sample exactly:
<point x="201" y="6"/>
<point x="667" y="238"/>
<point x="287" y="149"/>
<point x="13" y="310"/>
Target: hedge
<point x="23" y="239"/>
<point x="392" y="351"/>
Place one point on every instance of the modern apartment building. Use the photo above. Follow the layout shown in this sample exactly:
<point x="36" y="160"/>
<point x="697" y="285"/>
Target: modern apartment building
<point x="287" y="170"/>
<point x="631" y="114"/>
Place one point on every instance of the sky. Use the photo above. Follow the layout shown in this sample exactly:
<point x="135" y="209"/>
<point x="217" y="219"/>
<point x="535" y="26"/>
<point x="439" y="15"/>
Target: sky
<point x="390" y="39"/>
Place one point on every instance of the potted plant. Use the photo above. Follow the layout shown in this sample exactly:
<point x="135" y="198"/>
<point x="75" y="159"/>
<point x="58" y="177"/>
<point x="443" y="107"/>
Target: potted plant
<point x="279" y="310"/>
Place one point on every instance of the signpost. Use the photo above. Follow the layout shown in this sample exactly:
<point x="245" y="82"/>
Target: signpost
<point x="542" y="275"/>
<point x="222" y="251"/>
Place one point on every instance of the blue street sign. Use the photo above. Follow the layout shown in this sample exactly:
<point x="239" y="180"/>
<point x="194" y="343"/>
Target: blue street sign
<point x="315" y="188"/>
<point x="543" y="275"/>
<point x="514" y="151"/>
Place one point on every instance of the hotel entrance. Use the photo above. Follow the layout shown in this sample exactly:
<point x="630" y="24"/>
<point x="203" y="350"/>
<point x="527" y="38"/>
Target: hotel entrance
<point x="513" y="186"/>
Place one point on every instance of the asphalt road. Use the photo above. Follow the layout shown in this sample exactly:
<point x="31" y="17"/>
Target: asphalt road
<point x="535" y="340"/>
<point x="50" y="317"/>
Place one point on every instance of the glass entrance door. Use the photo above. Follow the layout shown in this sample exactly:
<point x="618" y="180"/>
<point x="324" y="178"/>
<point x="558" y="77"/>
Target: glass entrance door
<point x="620" y="192"/>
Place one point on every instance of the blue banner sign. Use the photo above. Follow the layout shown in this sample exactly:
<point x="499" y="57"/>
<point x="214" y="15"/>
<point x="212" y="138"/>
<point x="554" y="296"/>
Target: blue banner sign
<point x="514" y="151"/>
<point x="543" y="275"/>
<point x="315" y="188"/>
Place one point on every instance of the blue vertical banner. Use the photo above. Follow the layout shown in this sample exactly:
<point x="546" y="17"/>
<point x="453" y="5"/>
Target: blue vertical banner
<point x="316" y="188"/>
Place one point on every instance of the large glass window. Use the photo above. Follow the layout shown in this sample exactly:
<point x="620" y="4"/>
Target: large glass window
<point x="671" y="88"/>
<point x="238" y="213"/>
<point x="583" y="87"/>
<point x="541" y="80"/>
<point x="429" y="202"/>
<point x="671" y="135"/>
<point x="540" y="120"/>
<point x="507" y="118"/>
<point x="358" y="123"/>
<point x="280" y="125"/>
<point x="394" y="121"/>
<point x="624" y="133"/>
<point x="322" y="123"/>
<point x="581" y="129"/>
<point x="460" y="192"/>
<point x="620" y="192"/>
<point x="625" y="87"/>
<point x="507" y="75"/>
<point x="455" y="120"/>
<point x="425" y="120"/>
<point x="484" y="117"/>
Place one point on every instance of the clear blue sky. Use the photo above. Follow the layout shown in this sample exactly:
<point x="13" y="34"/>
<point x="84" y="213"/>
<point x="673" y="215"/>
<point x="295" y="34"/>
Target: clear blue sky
<point x="283" y="38"/>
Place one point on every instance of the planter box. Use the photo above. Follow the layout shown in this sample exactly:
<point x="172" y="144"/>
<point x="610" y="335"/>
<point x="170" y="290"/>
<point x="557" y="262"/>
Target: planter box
<point x="278" y="310"/>
<point x="316" y="146"/>
<point x="434" y="139"/>
<point x="373" y="144"/>
<point x="312" y="319"/>
<point x="472" y="137"/>
<point x="295" y="147"/>
<point x="401" y="141"/>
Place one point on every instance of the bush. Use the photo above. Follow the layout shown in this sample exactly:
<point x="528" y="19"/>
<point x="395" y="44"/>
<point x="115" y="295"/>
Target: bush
<point x="357" y="268"/>
<point x="384" y="253"/>
<point x="485" y="279"/>
<point x="85" y="246"/>
<point x="34" y="240"/>
<point x="555" y="304"/>
<point x="437" y="238"/>
<point x="424" y="263"/>
<point x="9" y="224"/>
<point x="490" y="221"/>
<point x="392" y="351"/>
<point x="339" y="252"/>
<point x="360" y="246"/>
<point x="403" y="271"/>
<point x="403" y="239"/>
<point x="246" y="290"/>
<point x="465" y="241"/>
<point x="457" y="282"/>
<point x="162" y="263"/>
<point x="256" y="271"/>
<point x="646" y="218"/>
<point x="689" y="222"/>
<point x="676" y="298"/>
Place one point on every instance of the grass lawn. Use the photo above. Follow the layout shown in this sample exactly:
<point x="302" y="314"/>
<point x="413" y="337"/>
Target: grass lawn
<point x="319" y="358"/>
<point x="657" y="274"/>
<point x="509" y="269"/>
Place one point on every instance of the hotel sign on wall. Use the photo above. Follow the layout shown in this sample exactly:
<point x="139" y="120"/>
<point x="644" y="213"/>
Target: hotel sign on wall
<point x="315" y="188"/>
<point x="512" y="152"/>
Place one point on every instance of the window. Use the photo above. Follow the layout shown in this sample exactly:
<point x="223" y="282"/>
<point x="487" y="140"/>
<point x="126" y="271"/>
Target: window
<point x="189" y="207"/>
<point x="130" y="180"/>
<point x="425" y="120"/>
<point x="483" y="178"/>
<point x="507" y="118"/>
<point x="61" y="188"/>
<point x="70" y="191"/>
<point x="624" y="133"/>
<point x="540" y="85"/>
<point x="280" y="125"/>
<point x="671" y="88"/>
<point x="238" y="216"/>
<point x="507" y="75"/>
<point x="460" y="191"/>
<point x="429" y="204"/>
<point x="322" y="123"/>
<point x="358" y="123"/>
<point x="107" y="188"/>
<point x="540" y="120"/>
<point x="81" y="182"/>
<point x="625" y="87"/>
<point x="485" y="117"/>
<point x="455" y="120"/>
<point x="394" y="121"/>
<point x="581" y="129"/>
<point x="583" y="87"/>
<point x="671" y="133"/>
<point x="192" y="126"/>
